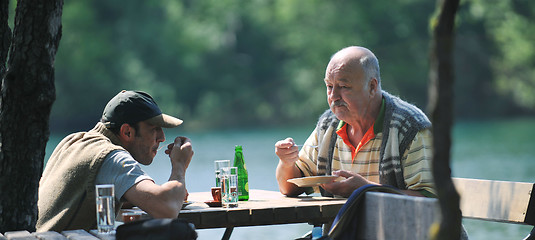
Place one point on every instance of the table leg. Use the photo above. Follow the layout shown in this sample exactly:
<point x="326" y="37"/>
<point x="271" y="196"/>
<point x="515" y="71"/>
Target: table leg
<point x="327" y="228"/>
<point x="228" y="232"/>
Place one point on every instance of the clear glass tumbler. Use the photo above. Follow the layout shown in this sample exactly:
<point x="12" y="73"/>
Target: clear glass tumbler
<point x="229" y="184"/>
<point x="220" y="164"/>
<point x="105" y="203"/>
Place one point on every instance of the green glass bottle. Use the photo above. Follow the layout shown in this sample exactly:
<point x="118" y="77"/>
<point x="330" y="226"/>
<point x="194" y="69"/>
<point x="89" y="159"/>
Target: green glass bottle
<point x="243" y="176"/>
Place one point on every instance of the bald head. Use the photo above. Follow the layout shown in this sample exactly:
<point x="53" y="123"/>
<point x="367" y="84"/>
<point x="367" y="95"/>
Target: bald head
<point x="353" y="89"/>
<point x="355" y="57"/>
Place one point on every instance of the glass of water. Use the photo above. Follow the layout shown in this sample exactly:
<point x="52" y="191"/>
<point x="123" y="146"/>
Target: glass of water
<point x="229" y="184"/>
<point x="105" y="203"/>
<point x="219" y="165"/>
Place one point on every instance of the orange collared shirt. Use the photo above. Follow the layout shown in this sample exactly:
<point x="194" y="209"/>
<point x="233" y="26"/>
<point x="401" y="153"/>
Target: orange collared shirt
<point x="369" y="135"/>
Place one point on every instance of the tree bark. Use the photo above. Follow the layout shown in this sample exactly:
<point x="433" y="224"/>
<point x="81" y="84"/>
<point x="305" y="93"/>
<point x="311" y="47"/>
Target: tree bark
<point x="5" y="37"/>
<point x="441" y="108"/>
<point x="27" y="95"/>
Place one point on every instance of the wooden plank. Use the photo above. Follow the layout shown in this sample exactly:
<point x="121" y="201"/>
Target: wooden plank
<point x="264" y="216"/>
<point x="309" y="213"/>
<point x="501" y="201"/>
<point x="284" y="214"/>
<point x="330" y="211"/>
<point x="49" y="236"/>
<point x="19" y="235"/>
<point x="392" y="216"/>
<point x="236" y="217"/>
<point x="213" y="219"/>
<point x="102" y="236"/>
<point x="78" y="235"/>
<point x="192" y="217"/>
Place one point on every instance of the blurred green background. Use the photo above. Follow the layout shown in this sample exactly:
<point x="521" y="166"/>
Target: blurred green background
<point x="231" y="63"/>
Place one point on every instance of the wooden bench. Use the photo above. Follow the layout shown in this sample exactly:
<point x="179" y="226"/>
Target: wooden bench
<point x="391" y="216"/>
<point x="499" y="201"/>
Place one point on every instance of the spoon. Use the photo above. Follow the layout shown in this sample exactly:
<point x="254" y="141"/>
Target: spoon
<point x="162" y="146"/>
<point x="310" y="146"/>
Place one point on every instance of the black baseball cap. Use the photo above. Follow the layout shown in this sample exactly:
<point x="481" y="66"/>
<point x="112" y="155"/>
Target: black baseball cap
<point x="133" y="107"/>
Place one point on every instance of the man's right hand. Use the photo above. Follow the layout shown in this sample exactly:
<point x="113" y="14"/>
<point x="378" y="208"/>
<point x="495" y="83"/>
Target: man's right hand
<point x="180" y="152"/>
<point x="287" y="152"/>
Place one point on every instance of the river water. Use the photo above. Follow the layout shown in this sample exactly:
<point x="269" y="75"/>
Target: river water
<point x="497" y="150"/>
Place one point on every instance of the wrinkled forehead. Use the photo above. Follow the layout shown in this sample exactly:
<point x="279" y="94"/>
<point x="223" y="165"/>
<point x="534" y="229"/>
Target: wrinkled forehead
<point x="343" y="66"/>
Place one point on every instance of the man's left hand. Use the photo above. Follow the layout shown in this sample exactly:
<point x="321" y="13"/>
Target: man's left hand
<point x="346" y="186"/>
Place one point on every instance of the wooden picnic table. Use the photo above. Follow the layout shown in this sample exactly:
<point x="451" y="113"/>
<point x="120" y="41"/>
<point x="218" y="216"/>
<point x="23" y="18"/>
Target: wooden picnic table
<point x="263" y="208"/>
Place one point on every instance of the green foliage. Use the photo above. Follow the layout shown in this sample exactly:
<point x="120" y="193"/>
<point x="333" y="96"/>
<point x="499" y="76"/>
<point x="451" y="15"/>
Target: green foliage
<point x="219" y="63"/>
<point x="512" y="28"/>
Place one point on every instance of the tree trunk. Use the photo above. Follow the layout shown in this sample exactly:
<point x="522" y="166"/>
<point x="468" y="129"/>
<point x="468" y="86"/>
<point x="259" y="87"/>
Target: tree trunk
<point x="5" y="38"/>
<point x="441" y="108"/>
<point x="27" y="95"/>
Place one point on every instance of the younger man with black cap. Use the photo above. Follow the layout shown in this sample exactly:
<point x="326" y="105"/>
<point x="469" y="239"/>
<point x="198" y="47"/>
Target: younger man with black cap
<point x="129" y="133"/>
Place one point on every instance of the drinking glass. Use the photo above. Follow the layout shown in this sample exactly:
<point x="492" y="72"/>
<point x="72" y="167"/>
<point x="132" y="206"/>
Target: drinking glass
<point x="220" y="164"/>
<point x="229" y="185"/>
<point x="105" y="203"/>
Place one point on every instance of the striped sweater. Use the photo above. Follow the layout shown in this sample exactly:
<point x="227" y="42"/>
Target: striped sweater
<point x="402" y="121"/>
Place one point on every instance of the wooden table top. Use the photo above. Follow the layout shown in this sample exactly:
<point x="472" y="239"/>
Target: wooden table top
<point x="263" y="208"/>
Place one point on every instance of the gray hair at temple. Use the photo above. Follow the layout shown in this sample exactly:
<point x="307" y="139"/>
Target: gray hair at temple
<point x="370" y="65"/>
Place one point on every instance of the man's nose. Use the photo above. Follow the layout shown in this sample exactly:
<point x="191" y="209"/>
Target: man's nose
<point x="160" y="136"/>
<point x="335" y="93"/>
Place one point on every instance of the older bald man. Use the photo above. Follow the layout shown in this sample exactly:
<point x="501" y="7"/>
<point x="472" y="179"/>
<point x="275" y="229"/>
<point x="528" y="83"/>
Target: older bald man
<point x="368" y="136"/>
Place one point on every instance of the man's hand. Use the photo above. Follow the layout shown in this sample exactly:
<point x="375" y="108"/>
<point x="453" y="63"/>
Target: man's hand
<point x="180" y="153"/>
<point x="287" y="152"/>
<point x="347" y="186"/>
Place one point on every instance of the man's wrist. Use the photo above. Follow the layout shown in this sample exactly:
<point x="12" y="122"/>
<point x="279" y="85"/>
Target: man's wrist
<point x="287" y="165"/>
<point x="180" y="179"/>
<point x="178" y="173"/>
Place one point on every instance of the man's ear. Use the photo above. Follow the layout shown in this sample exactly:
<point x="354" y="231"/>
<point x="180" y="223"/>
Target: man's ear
<point x="372" y="87"/>
<point x="126" y="132"/>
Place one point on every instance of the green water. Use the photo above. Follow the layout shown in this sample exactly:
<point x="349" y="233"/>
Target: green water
<point x="498" y="150"/>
